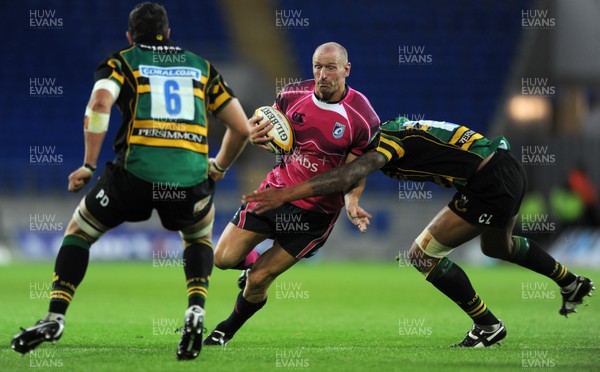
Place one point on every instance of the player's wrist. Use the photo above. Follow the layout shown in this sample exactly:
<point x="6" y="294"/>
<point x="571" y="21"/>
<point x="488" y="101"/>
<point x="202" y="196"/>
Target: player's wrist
<point x="216" y="168"/>
<point x="89" y="167"/>
<point x="219" y="168"/>
<point x="351" y="198"/>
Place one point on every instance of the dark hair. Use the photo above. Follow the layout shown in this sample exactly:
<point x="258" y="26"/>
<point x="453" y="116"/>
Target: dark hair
<point x="148" y="21"/>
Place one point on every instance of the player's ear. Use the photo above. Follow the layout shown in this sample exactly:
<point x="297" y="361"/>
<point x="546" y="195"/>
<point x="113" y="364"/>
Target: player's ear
<point x="168" y="33"/>
<point x="129" y="38"/>
<point x="347" y="69"/>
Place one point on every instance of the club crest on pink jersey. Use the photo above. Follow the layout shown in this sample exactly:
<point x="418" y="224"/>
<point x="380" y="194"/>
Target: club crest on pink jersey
<point x="338" y="130"/>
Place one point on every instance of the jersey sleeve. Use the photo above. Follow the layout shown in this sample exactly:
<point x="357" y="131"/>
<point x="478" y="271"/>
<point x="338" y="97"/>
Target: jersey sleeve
<point x="281" y="103"/>
<point x="218" y="92"/>
<point x="389" y="145"/>
<point x="110" y="68"/>
<point x="366" y="132"/>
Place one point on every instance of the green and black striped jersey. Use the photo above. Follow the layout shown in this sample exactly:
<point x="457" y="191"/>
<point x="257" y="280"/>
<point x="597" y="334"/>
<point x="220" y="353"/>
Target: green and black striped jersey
<point x="166" y="95"/>
<point x="437" y="151"/>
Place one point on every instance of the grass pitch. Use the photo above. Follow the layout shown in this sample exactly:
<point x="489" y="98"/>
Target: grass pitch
<point x="319" y="316"/>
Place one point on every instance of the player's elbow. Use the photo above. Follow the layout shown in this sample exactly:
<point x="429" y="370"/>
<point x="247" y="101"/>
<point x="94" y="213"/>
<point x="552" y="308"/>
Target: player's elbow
<point x="101" y="101"/>
<point x="99" y="105"/>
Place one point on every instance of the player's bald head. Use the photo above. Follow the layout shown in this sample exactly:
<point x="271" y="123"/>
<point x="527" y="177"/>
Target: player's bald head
<point x="332" y="48"/>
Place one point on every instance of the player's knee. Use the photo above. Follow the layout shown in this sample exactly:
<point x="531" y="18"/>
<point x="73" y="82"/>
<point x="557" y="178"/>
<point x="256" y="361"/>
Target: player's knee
<point x="220" y="260"/>
<point x="83" y="230"/>
<point x="226" y="256"/>
<point x="196" y="233"/>
<point x="427" y="251"/>
<point x="415" y="254"/>
<point x="419" y="260"/>
<point x="75" y="230"/>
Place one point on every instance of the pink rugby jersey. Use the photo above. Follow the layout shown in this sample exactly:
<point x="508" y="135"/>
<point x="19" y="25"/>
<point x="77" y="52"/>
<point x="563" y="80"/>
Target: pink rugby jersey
<point x="324" y="135"/>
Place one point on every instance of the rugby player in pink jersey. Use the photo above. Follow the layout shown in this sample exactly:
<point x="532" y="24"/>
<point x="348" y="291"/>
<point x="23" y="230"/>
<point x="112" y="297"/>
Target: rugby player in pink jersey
<point x="333" y="125"/>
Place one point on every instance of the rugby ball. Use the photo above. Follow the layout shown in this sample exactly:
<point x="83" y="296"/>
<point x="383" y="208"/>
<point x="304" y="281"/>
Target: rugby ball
<point x="282" y="131"/>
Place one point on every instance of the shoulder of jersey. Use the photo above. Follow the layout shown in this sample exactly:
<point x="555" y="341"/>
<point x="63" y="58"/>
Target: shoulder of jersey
<point x="358" y="99"/>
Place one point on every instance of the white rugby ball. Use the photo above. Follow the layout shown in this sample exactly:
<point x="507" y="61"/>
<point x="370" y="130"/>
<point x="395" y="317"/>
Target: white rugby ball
<point x="282" y="131"/>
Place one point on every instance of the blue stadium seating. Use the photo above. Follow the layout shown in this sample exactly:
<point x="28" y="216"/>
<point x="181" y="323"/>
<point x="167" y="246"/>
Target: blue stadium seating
<point x="70" y="54"/>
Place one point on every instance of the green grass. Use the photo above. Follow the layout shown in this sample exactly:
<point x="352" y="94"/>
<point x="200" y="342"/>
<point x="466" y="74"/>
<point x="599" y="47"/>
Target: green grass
<point x="342" y="317"/>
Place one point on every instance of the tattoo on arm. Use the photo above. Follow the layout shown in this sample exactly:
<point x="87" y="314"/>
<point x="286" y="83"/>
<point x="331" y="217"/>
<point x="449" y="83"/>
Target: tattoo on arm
<point x="344" y="177"/>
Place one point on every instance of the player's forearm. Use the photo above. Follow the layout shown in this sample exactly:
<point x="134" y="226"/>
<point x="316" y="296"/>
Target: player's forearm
<point x="332" y="181"/>
<point x="231" y="147"/>
<point x="237" y="134"/>
<point x="354" y="191"/>
<point x="348" y="175"/>
<point x="96" y="120"/>
<point x="93" y="144"/>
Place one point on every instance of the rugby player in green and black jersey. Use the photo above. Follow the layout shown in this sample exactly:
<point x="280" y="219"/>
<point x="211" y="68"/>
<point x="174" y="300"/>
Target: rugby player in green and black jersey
<point x="490" y="183"/>
<point x="165" y="94"/>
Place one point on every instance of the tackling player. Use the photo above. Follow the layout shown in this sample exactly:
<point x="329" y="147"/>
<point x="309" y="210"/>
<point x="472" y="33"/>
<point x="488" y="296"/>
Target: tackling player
<point x="491" y="184"/>
<point x="333" y="124"/>
<point x="164" y="94"/>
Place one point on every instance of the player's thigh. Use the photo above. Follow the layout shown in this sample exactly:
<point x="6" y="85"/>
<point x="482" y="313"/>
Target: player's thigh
<point x="102" y="208"/>
<point x="269" y="265"/>
<point x="234" y="244"/>
<point x="188" y="210"/>
<point x="116" y="197"/>
<point x="497" y="242"/>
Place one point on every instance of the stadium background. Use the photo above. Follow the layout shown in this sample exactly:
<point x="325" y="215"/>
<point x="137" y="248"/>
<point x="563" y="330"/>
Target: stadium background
<point x="526" y="69"/>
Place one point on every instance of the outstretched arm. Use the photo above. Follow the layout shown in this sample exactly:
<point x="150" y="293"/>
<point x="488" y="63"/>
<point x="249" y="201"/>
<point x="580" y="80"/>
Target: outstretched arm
<point x="234" y="140"/>
<point x="95" y="124"/>
<point x="334" y="180"/>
